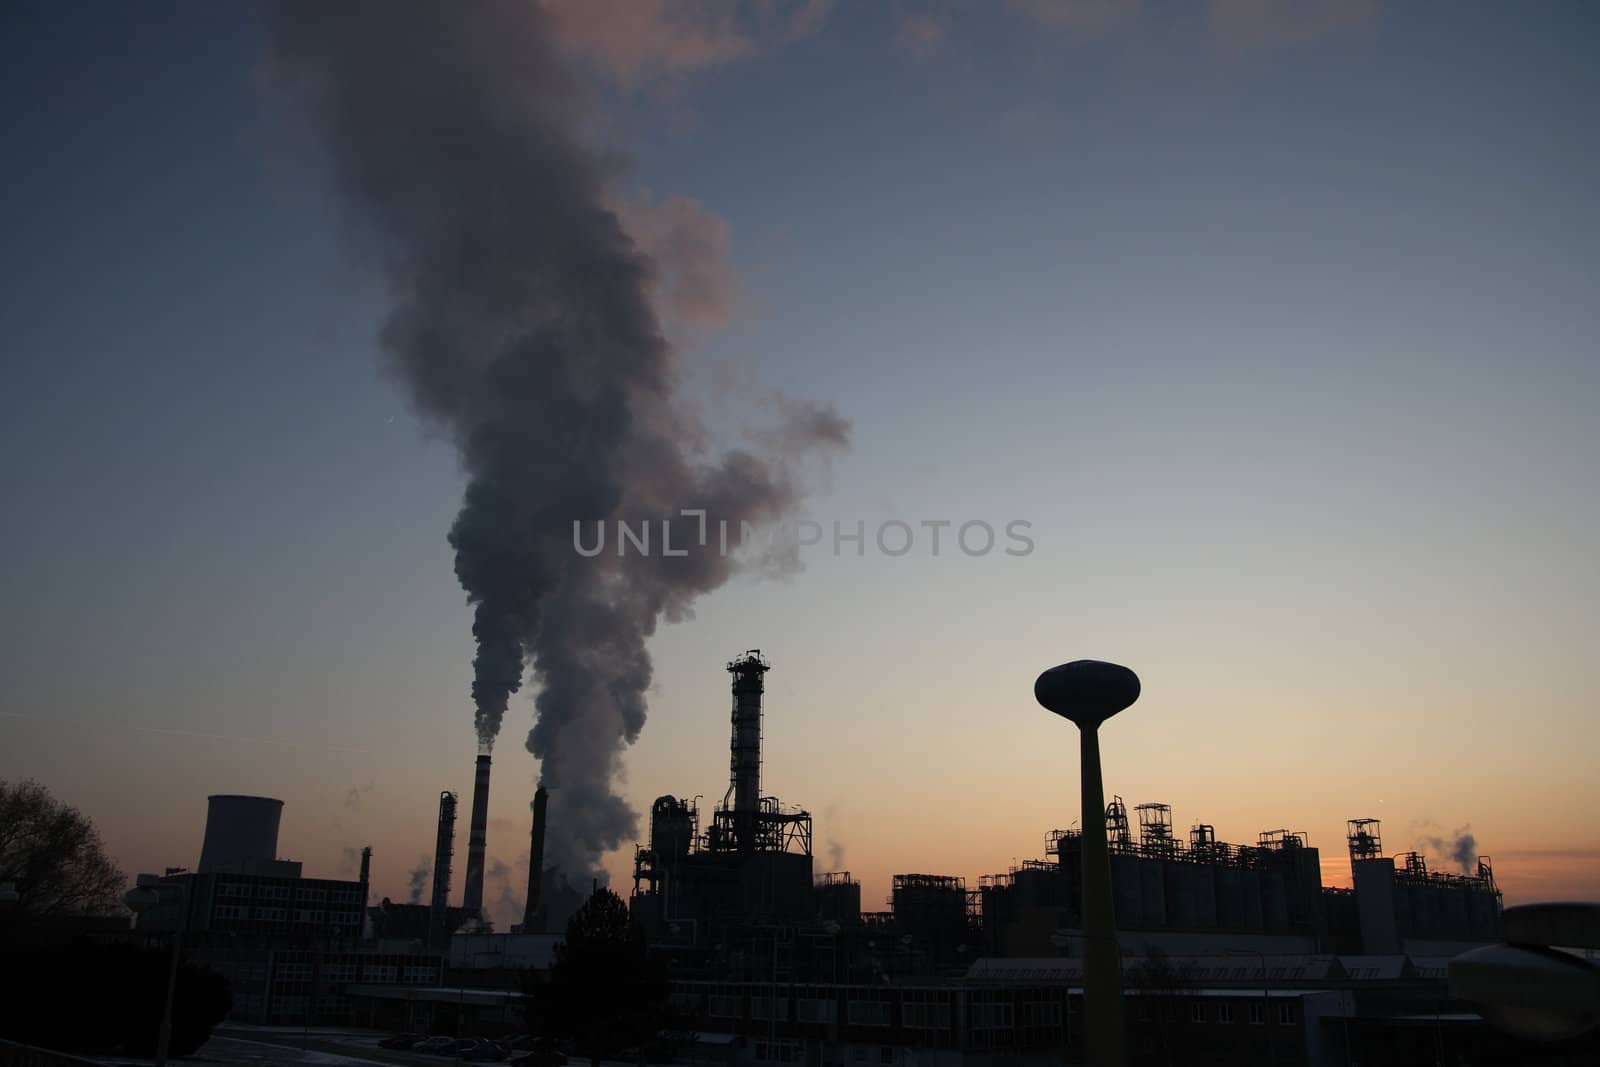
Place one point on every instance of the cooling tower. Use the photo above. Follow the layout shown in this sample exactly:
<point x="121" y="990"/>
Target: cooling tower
<point x="241" y="832"/>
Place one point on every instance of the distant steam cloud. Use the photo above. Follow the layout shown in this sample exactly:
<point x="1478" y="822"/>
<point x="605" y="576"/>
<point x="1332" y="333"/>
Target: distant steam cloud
<point x="504" y="882"/>
<point x="418" y="881"/>
<point x="522" y="319"/>
<point x="1460" y="848"/>
<point x="349" y="860"/>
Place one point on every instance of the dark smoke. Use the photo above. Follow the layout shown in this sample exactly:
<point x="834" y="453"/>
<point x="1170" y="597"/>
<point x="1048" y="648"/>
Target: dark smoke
<point x="519" y="320"/>
<point x="1461" y="848"/>
<point x="418" y="880"/>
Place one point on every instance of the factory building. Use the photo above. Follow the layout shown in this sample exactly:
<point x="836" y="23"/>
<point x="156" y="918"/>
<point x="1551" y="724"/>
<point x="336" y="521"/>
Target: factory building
<point x="1208" y="895"/>
<point x="292" y="948"/>
<point x="240" y="887"/>
<point x="751" y="865"/>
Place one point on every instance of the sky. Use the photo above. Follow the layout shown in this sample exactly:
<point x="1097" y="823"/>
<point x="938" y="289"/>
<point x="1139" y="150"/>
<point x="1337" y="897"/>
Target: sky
<point x="1275" y="323"/>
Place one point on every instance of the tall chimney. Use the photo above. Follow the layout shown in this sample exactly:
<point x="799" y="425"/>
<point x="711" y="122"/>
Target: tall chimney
<point x="530" y="911"/>
<point x="477" y="837"/>
<point x="442" y="850"/>
<point x="745" y="764"/>
<point x="366" y="874"/>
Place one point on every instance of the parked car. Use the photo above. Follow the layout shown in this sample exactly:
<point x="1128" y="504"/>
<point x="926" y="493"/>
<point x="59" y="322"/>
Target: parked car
<point x="544" y="1057"/>
<point x="482" y="1052"/>
<point x="522" y="1043"/>
<point x="401" y="1041"/>
<point x="435" y="1045"/>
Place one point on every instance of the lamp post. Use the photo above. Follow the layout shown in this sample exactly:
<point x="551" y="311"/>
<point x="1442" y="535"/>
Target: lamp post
<point x="1088" y="692"/>
<point x="140" y="899"/>
<point x="1266" y="998"/>
<point x="1062" y="940"/>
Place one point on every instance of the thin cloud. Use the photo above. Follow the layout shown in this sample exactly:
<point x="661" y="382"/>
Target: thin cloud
<point x="636" y="41"/>
<point x="921" y="34"/>
<point x="1240" y="26"/>
<point x="1075" y="16"/>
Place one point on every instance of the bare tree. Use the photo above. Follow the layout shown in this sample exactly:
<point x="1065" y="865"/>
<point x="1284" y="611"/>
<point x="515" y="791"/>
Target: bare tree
<point x="52" y="854"/>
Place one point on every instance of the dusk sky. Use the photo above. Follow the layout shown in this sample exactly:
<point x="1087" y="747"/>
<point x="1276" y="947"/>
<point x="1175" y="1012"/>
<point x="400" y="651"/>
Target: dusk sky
<point x="1276" y="321"/>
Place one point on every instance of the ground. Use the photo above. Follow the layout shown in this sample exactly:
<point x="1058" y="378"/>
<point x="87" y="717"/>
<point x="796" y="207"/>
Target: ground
<point x="284" y="1046"/>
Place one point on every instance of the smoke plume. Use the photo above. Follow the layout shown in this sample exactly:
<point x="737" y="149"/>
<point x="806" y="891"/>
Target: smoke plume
<point x="1460" y="848"/>
<point x="418" y="880"/>
<point x="520" y="321"/>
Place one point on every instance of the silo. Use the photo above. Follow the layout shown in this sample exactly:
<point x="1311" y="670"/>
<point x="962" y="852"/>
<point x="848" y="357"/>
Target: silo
<point x="671" y="829"/>
<point x="1127" y="891"/>
<point x="240" y="831"/>
<point x="1152" y="892"/>
<point x="1274" y="901"/>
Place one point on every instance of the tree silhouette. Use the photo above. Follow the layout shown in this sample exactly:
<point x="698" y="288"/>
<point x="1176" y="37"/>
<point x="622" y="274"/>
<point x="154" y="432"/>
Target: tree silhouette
<point x="46" y="983"/>
<point x="604" y="991"/>
<point x="52" y="854"/>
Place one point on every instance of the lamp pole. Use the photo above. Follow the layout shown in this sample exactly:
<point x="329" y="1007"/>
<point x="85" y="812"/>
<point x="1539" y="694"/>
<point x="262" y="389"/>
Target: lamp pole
<point x="141" y="899"/>
<point x="1088" y="692"/>
<point x="1266" y="998"/>
<point x="1062" y="940"/>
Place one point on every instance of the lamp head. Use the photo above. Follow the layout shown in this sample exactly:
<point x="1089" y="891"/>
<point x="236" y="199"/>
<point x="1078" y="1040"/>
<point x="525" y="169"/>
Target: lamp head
<point x="1087" y="691"/>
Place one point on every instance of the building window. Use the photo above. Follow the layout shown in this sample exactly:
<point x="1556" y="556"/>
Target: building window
<point x="296" y="1006"/>
<point x="868" y="1013"/>
<point x="815" y="1010"/>
<point x="722" y="1006"/>
<point x="1040" y="1014"/>
<point x="764" y="1007"/>
<point x="1197" y="1012"/>
<point x="992" y="1017"/>
<point x="1224" y="1012"/>
<point x="1258" y="1012"/>
<point x="1286" y="1014"/>
<point x="933" y="1015"/>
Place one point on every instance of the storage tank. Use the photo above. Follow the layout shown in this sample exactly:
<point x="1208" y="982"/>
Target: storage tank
<point x="671" y="828"/>
<point x="240" y="831"/>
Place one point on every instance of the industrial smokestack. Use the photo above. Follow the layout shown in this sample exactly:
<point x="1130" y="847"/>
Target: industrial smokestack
<point x="519" y="318"/>
<point x="366" y="874"/>
<point x="530" y="911"/>
<point x="442" y="851"/>
<point x="744" y="783"/>
<point x="477" y="838"/>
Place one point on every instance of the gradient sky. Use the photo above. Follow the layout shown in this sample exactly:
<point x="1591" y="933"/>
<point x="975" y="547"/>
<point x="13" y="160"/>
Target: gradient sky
<point x="1276" y="321"/>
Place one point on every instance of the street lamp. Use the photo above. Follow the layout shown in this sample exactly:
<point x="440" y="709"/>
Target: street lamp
<point x="1088" y="692"/>
<point x="1526" y="987"/>
<point x="140" y="899"/>
<point x="1062" y="940"/>
<point x="1266" y="997"/>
